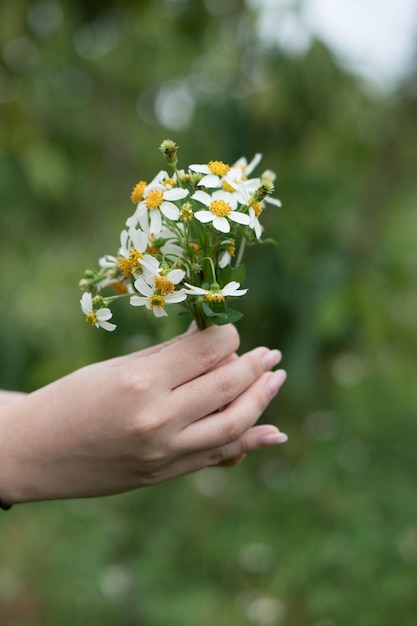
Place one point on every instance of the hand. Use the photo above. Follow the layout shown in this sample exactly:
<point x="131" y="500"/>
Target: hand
<point x="139" y="419"/>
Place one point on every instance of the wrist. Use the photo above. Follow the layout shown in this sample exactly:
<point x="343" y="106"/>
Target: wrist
<point x="13" y="489"/>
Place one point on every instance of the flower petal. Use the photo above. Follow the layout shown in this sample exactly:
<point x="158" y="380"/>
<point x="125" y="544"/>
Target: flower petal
<point x="204" y="216"/>
<point x="143" y="287"/>
<point x="211" y="181"/>
<point x="86" y="303"/>
<point x="274" y="201"/>
<point x="138" y="301"/>
<point x="103" y="314"/>
<point x="107" y="326"/>
<point x="240" y="218"/>
<point x="170" y="210"/>
<point x="156" y="222"/>
<point x="221" y="224"/>
<point x="139" y="239"/>
<point x="176" y="276"/>
<point x="232" y="289"/>
<point x="195" y="291"/>
<point x="201" y="168"/>
<point x="159" y="311"/>
<point x="176" y="296"/>
<point x="202" y="196"/>
<point x="175" y="194"/>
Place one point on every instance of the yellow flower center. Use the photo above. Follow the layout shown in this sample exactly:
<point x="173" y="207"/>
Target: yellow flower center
<point x="214" y="297"/>
<point x="157" y="300"/>
<point x="227" y="187"/>
<point x="131" y="263"/>
<point x="119" y="287"/>
<point x="218" y="168"/>
<point x="231" y="250"/>
<point x="154" y="199"/>
<point x="220" y="208"/>
<point x="91" y="317"/>
<point x="137" y="193"/>
<point x="257" y="207"/>
<point x="169" y="182"/>
<point x="164" y="285"/>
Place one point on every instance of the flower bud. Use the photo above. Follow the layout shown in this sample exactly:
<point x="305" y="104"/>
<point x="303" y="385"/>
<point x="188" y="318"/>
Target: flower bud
<point x="169" y="150"/>
<point x="266" y="188"/>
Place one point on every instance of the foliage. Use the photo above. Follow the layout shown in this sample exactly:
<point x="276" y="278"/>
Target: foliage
<point x="294" y="535"/>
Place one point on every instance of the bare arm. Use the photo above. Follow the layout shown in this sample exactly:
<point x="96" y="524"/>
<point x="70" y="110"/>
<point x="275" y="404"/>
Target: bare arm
<point x="139" y="419"/>
<point x="10" y="396"/>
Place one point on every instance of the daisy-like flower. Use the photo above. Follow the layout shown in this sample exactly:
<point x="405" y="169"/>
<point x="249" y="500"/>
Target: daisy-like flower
<point x="99" y="317"/>
<point x="255" y="211"/>
<point x="159" y="291"/>
<point x="215" y="294"/>
<point x="247" y="168"/>
<point x="132" y="258"/>
<point x="213" y="172"/>
<point x="226" y="255"/>
<point x="158" y="200"/>
<point x="221" y="209"/>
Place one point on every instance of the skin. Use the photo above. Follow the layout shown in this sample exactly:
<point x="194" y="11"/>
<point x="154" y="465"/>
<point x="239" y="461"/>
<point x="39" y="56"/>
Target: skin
<point x="139" y="419"/>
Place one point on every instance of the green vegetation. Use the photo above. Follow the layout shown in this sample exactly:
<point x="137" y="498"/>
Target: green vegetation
<point x="321" y="531"/>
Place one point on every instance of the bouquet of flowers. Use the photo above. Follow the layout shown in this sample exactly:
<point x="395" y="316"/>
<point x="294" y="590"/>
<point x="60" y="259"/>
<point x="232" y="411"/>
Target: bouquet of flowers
<point x="184" y="243"/>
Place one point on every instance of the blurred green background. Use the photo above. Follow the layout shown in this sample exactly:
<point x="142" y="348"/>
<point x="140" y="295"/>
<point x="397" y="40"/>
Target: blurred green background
<point x="321" y="531"/>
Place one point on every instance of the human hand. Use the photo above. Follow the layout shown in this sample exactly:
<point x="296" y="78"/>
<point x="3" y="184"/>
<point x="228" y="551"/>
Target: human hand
<point x="139" y="419"/>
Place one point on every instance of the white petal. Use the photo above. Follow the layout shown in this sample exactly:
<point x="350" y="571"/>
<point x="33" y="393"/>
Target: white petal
<point x="103" y="314"/>
<point x="159" y="311"/>
<point x="176" y="296"/>
<point x="138" y="301"/>
<point x="255" y="161"/>
<point x="225" y="259"/>
<point x="221" y="224"/>
<point x="156" y="222"/>
<point x="176" y="276"/>
<point x="175" y="194"/>
<point x="204" y="216"/>
<point x="132" y="221"/>
<point x="193" y="290"/>
<point x="150" y="264"/>
<point x="156" y="182"/>
<point x="274" y="201"/>
<point x="107" y="325"/>
<point x="258" y="228"/>
<point x="170" y="210"/>
<point x="139" y="239"/>
<point x="211" y="181"/>
<point x="232" y="289"/>
<point x="201" y="168"/>
<point x="143" y="287"/>
<point x="240" y="218"/>
<point x="252" y="184"/>
<point x="202" y="196"/>
<point x="86" y="303"/>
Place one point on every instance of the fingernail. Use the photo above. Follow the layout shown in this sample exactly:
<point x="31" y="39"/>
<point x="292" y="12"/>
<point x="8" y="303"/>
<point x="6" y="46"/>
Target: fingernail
<point x="275" y="381"/>
<point x="271" y="358"/>
<point x="270" y="440"/>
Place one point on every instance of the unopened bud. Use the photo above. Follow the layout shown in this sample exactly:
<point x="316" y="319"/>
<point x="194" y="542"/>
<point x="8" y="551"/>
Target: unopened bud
<point x="266" y="188"/>
<point x="169" y="150"/>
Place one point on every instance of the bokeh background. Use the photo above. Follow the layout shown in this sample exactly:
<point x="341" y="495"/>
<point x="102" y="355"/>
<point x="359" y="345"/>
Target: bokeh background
<point x="321" y="531"/>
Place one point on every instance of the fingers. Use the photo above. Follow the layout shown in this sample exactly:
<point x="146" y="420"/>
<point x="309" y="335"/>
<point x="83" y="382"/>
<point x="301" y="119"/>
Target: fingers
<point x="230" y="454"/>
<point x="225" y="427"/>
<point x="196" y="354"/>
<point x="220" y="386"/>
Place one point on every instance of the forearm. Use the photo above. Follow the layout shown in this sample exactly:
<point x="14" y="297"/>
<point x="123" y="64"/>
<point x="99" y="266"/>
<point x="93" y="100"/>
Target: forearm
<point x="10" y="396"/>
